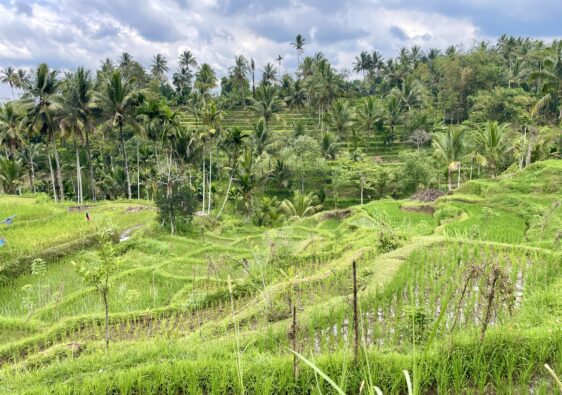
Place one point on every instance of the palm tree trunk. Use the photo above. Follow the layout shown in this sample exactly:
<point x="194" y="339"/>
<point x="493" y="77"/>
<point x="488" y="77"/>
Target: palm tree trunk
<point x="90" y="167"/>
<point x="449" y="182"/>
<point x="59" y="175"/>
<point x="203" y="180"/>
<point x="52" y="174"/>
<point x="78" y="175"/>
<point x="138" y="171"/>
<point x="227" y="192"/>
<point x="122" y="138"/>
<point x="210" y="181"/>
<point x="459" y="177"/>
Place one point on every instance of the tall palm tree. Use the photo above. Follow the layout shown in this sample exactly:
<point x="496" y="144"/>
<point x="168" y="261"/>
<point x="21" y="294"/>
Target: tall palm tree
<point x="40" y="117"/>
<point x="340" y="118"/>
<point x="368" y="114"/>
<point x="205" y="79"/>
<point x="491" y="143"/>
<point x="362" y="63"/>
<point x="551" y="81"/>
<point x="449" y="146"/>
<point x="267" y="103"/>
<point x="253" y="68"/>
<point x="125" y="61"/>
<point x="279" y="62"/>
<point x="11" y="174"/>
<point x="22" y="80"/>
<point x="10" y="130"/>
<point x="159" y="66"/>
<point x="239" y="72"/>
<point x="187" y="60"/>
<point x="81" y="100"/>
<point x="269" y="75"/>
<point x="29" y="154"/>
<point x="117" y="102"/>
<point x="298" y="44"/>
<point x="9" y="76"/>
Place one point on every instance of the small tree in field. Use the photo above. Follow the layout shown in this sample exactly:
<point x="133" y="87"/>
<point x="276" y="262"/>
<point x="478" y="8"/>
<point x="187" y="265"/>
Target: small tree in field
<point x="97" y="274"/>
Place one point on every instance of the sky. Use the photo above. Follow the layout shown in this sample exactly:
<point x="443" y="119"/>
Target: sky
<point x="70" y="33"/>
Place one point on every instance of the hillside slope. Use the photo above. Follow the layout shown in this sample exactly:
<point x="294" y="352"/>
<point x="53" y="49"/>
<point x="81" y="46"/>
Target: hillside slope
<point x="463" y="292"/>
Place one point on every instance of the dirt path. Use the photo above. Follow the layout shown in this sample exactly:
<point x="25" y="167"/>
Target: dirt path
<point x="126" y="234"/>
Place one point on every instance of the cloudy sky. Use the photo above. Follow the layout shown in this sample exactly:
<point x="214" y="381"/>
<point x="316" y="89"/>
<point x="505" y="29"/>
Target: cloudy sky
<point x="71" y="33"/>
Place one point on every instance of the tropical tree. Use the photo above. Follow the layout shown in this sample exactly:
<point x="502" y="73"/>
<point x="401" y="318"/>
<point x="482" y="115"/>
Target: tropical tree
<point x="340" y="118"/>
<point x="239" y="71"/>
<point x="9" y="76"/>
<point x="450" y="147"/>
<point x="10" y="129"/>
<point x="187" y="60"/>
<point x="298" y="44"/>
<point x="267" y="103"/>
<point x="205" y="79"/>
<point x="491" y="143"/>
<point x="117" y="102"/>
<point x="362" y="63"/>
<point x="11" y="174"/>
<point x="269" y="75"/>
<point x="301" y="205"/>
<point x="253" y="68"/>
<point x="368" y="114"/>
<point x="42" y="108"/>
<point x="159" y="67"/>
<point x="550" y="78"/>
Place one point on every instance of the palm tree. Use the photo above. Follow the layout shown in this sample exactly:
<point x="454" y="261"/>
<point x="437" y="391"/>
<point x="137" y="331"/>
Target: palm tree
<point x="205" y="79"/>
<point x="239" y="72"/>
<point x="117" y="103"/>
<point x="301" y="206"/>
<point x="10" y="130"/>
<point x="298" y="44"/>
<point x="449" y="146"/>
<point x="81" y="101"/>
<point x="159" y="66"/>
<point x="9" y="76"/>
<point x="267" y="103"/>
<point x="29" y="154"/>
<point x="296" y="95"/>
<point x="253" y="68"/>
<point x="416" y="54"/>
<point x="279" y="61"/>
<point x="260" y="136"/>
<point x="187" y="60"/>
<point x="269" y="75"/>
<point x="491" y="143"/>
<point x="41" y="114"/>
<point x="551" y="81"/>
<point x="340" y="118"/>
<point x="362" y="63"/>
<point x="11" y="174"/>
<point x="368" y="114"/>
<point x="329" y="145"/>
<point x="125" y="61"/>
<point x="22" y="80"/>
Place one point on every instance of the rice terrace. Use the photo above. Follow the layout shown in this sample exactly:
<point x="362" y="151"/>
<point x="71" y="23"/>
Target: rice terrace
<point x="275" y="215"/>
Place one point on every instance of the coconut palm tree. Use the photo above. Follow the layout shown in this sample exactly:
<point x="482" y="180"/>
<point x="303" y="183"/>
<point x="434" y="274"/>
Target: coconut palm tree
<point x="279" y="62"/>
<point x="301" y="205"/>
<point x="42" y="108"/>
<point x="10" y="129"/>
<point x="267" y="103"/>
<point x="450" y="147"/>
<point x="159" y="67"/>
<point x="298" y="44"/>
<point x="117" y="102"/>
<point x="239" y="72"/>
<point x="9" y="76"/>
<point x="368" y="113"/>
<point x="22" y="80"/>
<point x="30" y="154"/>
<point x="205" y="79"/>
<point x="340" y="118"/>
<point x="329" y="145"/>
<point x="187" y="60"/>
<point x="491" y="143"/>
<point x="11" y="174"/>
<point x="269" y="75"/>
<point x="550" y="78"/>
<point x="253" y="68"/>
<point x="362" y="63"/>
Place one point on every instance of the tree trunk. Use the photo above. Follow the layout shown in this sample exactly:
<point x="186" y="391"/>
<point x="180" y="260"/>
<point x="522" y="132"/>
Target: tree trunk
<point x="138" y="171"/>
<point x="203" y="180"/>
<point x="355" y="315"/>
<point x="80" y="199"/>
<point x="32" y="176"/>
<point x="52" y="174"/>
<point x="210" y="181"/>
<point x="449" y="182"/>
<point x="362" y="187"/>
<point x="106" y="305"/>
<point x="459" y="177"/>
<point x="59" y="175"/>
<point x="122" y="138"/>
<point x="90" y="166"/>
<point x="226" y="196"/>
